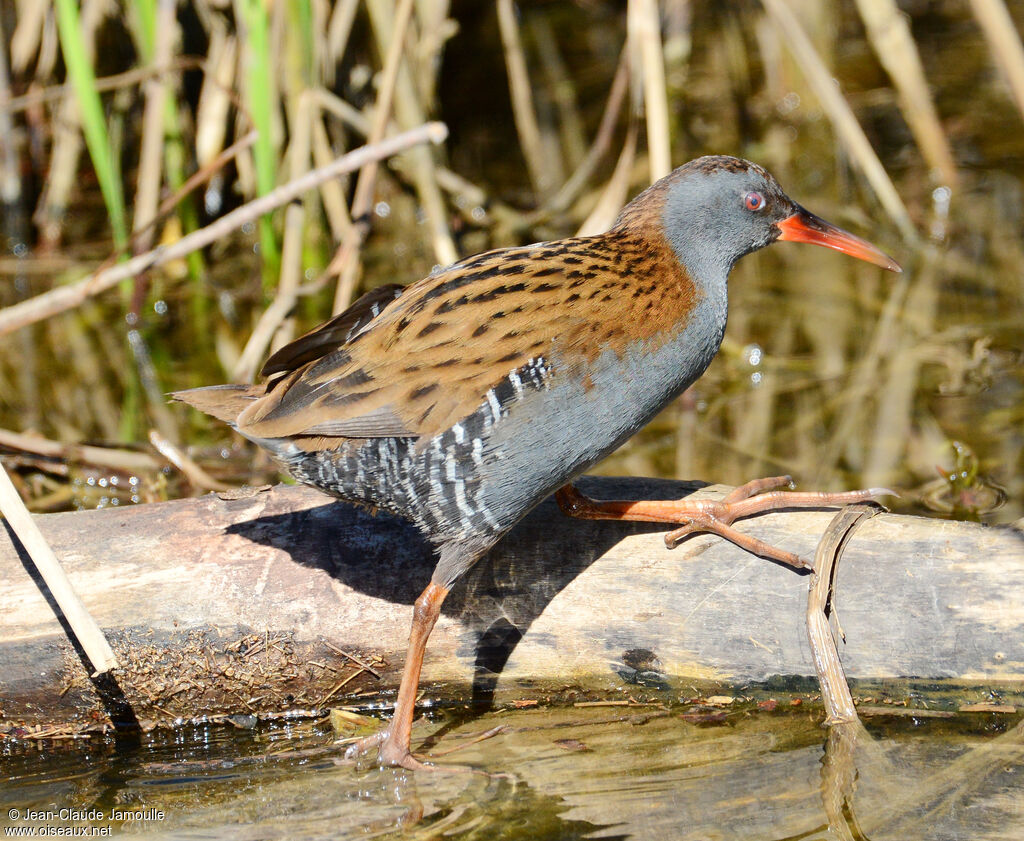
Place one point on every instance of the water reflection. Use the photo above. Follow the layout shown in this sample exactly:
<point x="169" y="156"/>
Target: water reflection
<point x="563" y="774"/>
<point x="885" y="790"/>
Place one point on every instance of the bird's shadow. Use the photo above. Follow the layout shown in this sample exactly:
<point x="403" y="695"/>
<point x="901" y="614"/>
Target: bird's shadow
<point x="498" y="600"/>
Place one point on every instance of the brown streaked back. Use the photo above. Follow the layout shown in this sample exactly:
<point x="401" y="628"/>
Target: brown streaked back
<point x="430" y="357"/>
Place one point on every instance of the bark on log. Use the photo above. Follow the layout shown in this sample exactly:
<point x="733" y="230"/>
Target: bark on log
<point x="285" y="600"/>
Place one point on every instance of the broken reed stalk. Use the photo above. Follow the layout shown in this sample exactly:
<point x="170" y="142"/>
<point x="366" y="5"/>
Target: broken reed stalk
<point x="996" y="23"/>
<point x="835" y="691"/>
<point x="195" y="474"/>
<point x="840" y="114"/>
<point x="83" y="626"/>
<point x="67" y="297"/>
<point x="890" y="35"/>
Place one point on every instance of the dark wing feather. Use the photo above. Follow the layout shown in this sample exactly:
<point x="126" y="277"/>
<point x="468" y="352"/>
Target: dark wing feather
<point x="335" y="333"/>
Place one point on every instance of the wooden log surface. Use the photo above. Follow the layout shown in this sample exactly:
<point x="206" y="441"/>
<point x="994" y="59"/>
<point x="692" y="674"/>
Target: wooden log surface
<point x="284" y="600"/>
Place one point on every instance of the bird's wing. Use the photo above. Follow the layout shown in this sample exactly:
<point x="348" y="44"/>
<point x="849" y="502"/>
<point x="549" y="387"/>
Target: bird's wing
<point x="431" y="356"/>
<point x="340" y="330"/>
<point x="481" y="332"/>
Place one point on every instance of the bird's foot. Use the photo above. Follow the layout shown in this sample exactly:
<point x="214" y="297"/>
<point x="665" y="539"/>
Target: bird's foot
<point x="756" y="497"/>
<point x="392" y="754"/>
<point x="389" y="752"/>
<point x="716" y="516"/>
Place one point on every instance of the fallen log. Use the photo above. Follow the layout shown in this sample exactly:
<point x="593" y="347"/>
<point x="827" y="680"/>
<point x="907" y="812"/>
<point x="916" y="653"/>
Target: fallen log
<point x="283" y="600"/>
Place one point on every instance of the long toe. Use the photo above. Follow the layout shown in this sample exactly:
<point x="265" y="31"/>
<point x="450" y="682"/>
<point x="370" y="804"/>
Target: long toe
<point x="361" y="748"/>
<point x="403" y="758"/>
<point x="756" y="486"/>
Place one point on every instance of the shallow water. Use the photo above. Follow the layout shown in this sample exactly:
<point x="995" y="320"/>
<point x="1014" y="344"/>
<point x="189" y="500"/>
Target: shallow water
<point x="557" y="773"/>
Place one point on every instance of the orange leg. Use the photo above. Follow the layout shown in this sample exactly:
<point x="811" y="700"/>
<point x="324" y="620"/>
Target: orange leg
<point x="715" y="516"/>
<point x="393" y="740"/>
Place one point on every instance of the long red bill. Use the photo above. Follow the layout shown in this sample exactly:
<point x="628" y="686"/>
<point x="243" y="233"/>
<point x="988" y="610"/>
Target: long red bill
<point x="804" y="226"/>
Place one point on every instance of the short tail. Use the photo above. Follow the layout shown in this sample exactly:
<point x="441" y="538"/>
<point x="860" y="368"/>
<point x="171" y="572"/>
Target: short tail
<point x="224" y="402"/>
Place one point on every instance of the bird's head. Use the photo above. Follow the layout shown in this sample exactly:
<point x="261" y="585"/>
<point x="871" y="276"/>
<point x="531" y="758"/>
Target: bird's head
<point x="719" y="208"/>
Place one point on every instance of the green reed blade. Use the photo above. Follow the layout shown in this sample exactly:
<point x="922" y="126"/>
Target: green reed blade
<point x="175" y="157"/>
<point x="97" y="140"/>
<point x="261" y="99"/>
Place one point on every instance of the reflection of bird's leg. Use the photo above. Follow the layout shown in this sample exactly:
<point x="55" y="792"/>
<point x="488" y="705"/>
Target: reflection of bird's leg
<point x="715" y="516"/>
<point x="393" y="740"/>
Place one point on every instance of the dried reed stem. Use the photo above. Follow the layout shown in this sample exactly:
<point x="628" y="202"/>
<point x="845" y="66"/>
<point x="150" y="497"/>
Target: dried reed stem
<point x="560" y="84"/>
<point x="150" y="172"/>
<point x="127" y="461"/>
<point x="835" y="691"/>
<point x="28" y="33"/>
<point x="10" y="175"/>
<point x="895" y="388"/>
<point x="408" y="113"/>
<point x="338" y="30"/>
<point x="215" y="97"/>
<point x="614" y="195"/>
<point x="894" y="45"/>
<point x="204" y="174"/>
<point x="113" y="82"/>
<point x="644" y="26"/>
<point x="863" y="380"/>
<point x="840" y="114"/>
<point x="83" y="626"/>
<point x="449" y="181"/>
<point x="66" y="147"/>
<point x="523" y="110"/>
<point x="345" y="263"/>
<point x="67" y="297"/>
<point x="291" y="252"/>
<point x="602" y="139"/>
<point x="195" y="474"/>
<point x="331" y="194"/>
<point x="1002" y="36"/>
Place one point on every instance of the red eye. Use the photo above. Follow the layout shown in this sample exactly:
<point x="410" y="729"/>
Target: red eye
<point x="753" y="201"/>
